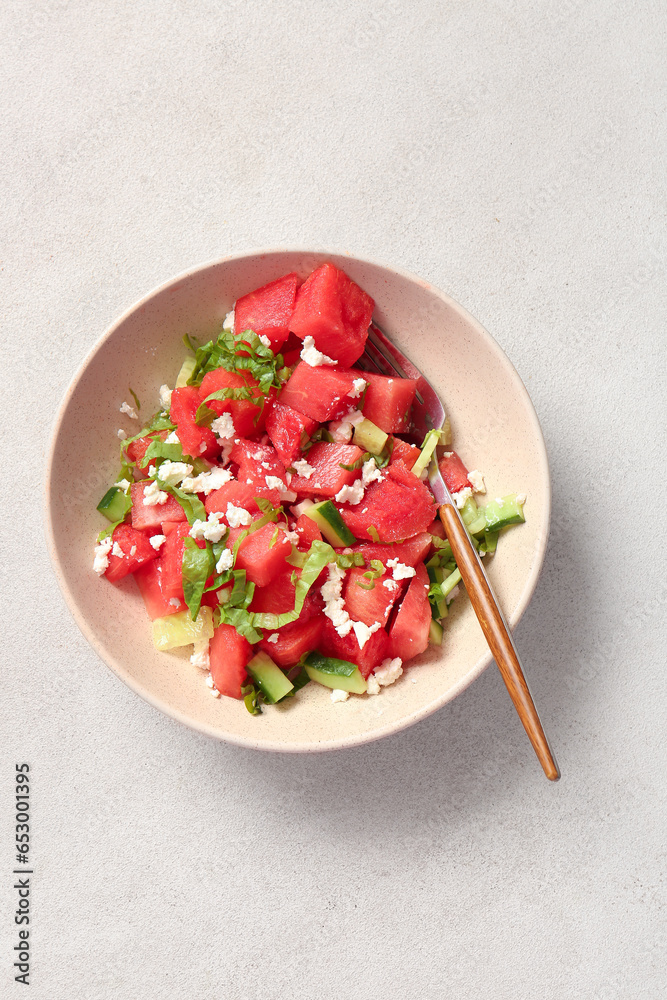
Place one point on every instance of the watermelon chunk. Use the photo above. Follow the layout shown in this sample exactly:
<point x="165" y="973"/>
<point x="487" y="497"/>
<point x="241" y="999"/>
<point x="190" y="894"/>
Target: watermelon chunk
<point x="370" y="606"/>
<point x="347" y="648"/>
<point x="307" y="531"/>
<point x="268" y="310"/>
<point x="388" y="402"/>
<point x="256" y="462"/>
<point x="404" y="452"/>
<point x="136" y="548"/>
<point x="152" y="516"/>
<point x="260" y="555"/>
<point x="136" y="450"/>
<point x="170" y="565"/>
<point x="454" y="472"/>
<point x="235" y="493"/>
<point x="335" y="312"/>
<point x="287" y="429"/>
<point x="397" y="507"/>
<point x="280" y="596"/>
<point x="148" y="581"/>
<point x="229" y="654"/>
<point x="409" y="553"/>
<point x="408" y="635"/>
<point x="322" y="393"/>
<point x="196" y="440"/>
<point x="293" y="641"/>
<point x="328" y="478"/>
<point x="248" y="416"/>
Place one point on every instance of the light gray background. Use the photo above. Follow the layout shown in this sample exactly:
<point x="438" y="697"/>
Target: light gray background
<point x="513" y="154"/>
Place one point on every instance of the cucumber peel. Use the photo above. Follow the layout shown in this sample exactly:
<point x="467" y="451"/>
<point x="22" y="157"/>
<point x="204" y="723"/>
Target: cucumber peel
<point x="331" y="524"/>
<point x="270" y="679"/>
<point x="333" y="673"/>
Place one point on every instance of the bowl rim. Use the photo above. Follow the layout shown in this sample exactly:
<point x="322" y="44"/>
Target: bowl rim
<point x="116" y="666"/>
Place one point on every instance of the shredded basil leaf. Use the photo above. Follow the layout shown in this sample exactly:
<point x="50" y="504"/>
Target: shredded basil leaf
<point x="135" y="398"/>
<point x="239" y="352"/>
<point x="372" y="531"/>
<point x="157" y="449"/>
<point x="198" y="564"/>
<point x="376" y="570"/>
<point x="190" y="502"/>
<point x="252" y="699"/>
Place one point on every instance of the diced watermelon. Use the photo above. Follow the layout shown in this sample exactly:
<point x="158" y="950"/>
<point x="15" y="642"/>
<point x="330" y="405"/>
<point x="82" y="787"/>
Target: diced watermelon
<point x="196" y="440"/>
<point x="408" y="635"/>
<point x="148" y="581"/>
<point x="397" y="507"/>
<point x="287" y="429"/>
<point x="256" y="462"/>
<point x="335" y="312"/>
<point x="388" y="402"/>
<point x="404" y="452"/>
<point x="235" y="493"/>
<point x="167" y="527"/>
<point x="136" y="450"/>
<point x="374" y="605"/>
<point x="171" y="561"/>
<point x="307" y="531"/>
<point x="137" y="550"/>
<point x="229" y="654"/>
<point x="151" y="516"/>
<point x="256" y="554"/>
<point x="268" y="310"/>
<point x="248" y="416"/>
<point x="409" y="552"/>
<point x="293" y="641"/>
<point x="347" y="648"/>
<point x="322" y="393"/>
<point x="328" y="478"/>
<point x="454" y="472"/>
<point x="280" y="597"/>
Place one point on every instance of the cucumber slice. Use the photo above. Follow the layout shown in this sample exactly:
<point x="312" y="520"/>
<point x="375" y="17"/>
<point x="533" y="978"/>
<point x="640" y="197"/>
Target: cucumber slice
<point x="450" y="582"/>
<point x="186" y="371"/>
<point x="114" y="504"/>
<point x="369" y="437"/>
<point x="490" y="541"/>
<point x="503" y="511"/>
<point x="331" y="524"/>
<point x="180" y="630"/>
<point x="333" y="673"/>
<point x="269" y="678"/>
<point x="473" y="517"/>
<point x="435" y="633"/>
<point x="428" y="448"/>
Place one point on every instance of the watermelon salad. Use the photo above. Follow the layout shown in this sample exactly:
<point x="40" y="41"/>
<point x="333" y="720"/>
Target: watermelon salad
<point x="275" y="511"/>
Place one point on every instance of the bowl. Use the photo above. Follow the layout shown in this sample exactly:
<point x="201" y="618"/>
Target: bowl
<point x="495" y="429"/>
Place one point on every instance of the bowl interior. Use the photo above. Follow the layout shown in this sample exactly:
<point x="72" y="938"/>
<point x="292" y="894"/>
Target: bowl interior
<point x="495" y="430"/>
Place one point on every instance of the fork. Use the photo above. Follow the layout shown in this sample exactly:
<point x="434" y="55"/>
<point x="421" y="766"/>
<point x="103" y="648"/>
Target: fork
<point x="383" y="357"/>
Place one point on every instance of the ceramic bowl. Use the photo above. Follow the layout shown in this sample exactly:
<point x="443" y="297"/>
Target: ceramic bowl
<point x="495" y="429"/>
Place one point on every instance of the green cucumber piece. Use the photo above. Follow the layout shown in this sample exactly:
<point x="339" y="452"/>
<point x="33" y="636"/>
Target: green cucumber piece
<point x="269" y="678"/>
<point x="428" y="448"/>
<point x="331" y="524"/>
<point x="186" y="371"/>
<point x="490" y="541"/>
<point x="450" y="582"/>
<point x="369" y="437"/>
<point x="435" y="633"/>
<point x="180" y="630"/>
<point x="473" y="517"/>
<point x="114" y="504"/>
<point x="333" y="673"/>
<point x="502" y="511"/>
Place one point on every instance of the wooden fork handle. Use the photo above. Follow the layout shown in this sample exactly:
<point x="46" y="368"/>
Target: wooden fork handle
<point x="497" y="635"/>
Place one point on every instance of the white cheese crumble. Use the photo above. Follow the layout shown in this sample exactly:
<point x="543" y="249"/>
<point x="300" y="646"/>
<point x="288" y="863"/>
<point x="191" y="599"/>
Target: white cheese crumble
<point x="389" y="671"/>
<point x="117" y="551"/>
<point x="461" y="497"/>
<point x="223" y="427"/>
<point x="228" y="323"/>
<point x="121" y="434"/>
<point x="211" y="686"/>
<point x="102" y="550"/>
<point x="172" y="438"/>
<point x="341" y="431"/>
<point x="476" y="480"/>
<point x="165" y="397"/>
<point x="133" y="550"/>
<point x="358" y="387"/>
<point x="363" y="632"/>
<point x="263" y="339"/>
<point x="225" y="562"/>
<point x="273" y="637"/>
<point x="447" y="454"/>
<point x="302" y="468"/>
<point x="200" y="657"/>
<point x="131" y="412"/>
<point x="174" y="601"/>
<point x="292" y="536"/>
<point x="338" y="695"/>
<point x="390" y="585"/>
<point x="237" y="516"/>
<point x="274" y="482"/>
<point x="171" y="473"/>
<point x="400" y="570"/>
<point x="153" y="495"/>
<point x="521" y="498"/>
<point x="206" y="482"/>
<point x="334" y="605"/>
<point x="123" y="484"/>
<point x="354" y="417"/>
<point x="353" y="494"/>
<point x="370" y="472"/>
<point x="312" y="356"/>
<point x="157" y="541"/>
<point x="210" y="530"/>
<point x="372" y="684"/>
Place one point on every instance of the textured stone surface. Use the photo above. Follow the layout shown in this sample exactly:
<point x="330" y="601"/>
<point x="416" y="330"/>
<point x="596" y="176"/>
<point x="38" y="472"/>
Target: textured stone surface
<point x="513" y="154"/>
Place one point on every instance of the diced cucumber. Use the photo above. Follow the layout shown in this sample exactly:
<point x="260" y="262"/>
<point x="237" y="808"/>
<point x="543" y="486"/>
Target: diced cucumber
<point x="114" y="504"/>
<point x="302" y="507"/>
<point x="331" y="524"/>
<point x="473" y="517"/>
<point x="369" y="437"/>
<point x="269" y="677"/>
<point x="435" y="633"/>
<point x="438" y="605"/>
<point x="450" y="582"/>
<point x="446" y="432"/>
<point x="333" y="673"/>
<point x="490" y="541"/>
<point x="180" y="630"/>
<point x="502" y="511"/>
<point x="186" y="371"/>
<point x="428" y="448"/>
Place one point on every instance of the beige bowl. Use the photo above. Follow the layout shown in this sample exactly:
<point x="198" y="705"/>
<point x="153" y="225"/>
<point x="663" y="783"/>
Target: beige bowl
<point x="495" y="430"/>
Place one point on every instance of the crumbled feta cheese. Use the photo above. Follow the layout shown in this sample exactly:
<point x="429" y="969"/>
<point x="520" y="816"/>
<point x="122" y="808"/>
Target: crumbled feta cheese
<point x="211" y="686"/>
<point x="172" y="438"/>
<point x="461" y="497"/>
<point x="363" y="632"/>
<point x="452" y="594"/>
<point x="390" y="585"/>
<point x="225" y="562"/>
<point x="152" y="472"/>
<point x="265" y="340"/>
<point x="447" y="454"/>
<point x="389" y="671"/>
<point x="165" y="397"/>
<point x="206" y="482"/>
<point x="121" y="433"/>
<point x="157" y="541"/>
<point x="133" y="550"/>
<point x="339" y="695"/>
<point x="354" y="417"/>
<point x="293" y="537"/>
<point x="372" y="684"/>
<point x="174" y="601"/>
<point x="273" y="637"/>
<point x="236" y="516"/>
<point x="288" y="496"/>
<point x="228" y="323"/>
<point x="223" y="427"/>
<point x="358" y="387"/>
<point x="400" y="570"/>
<point x="521" y="498"/>
<point x="353" y="494"/>
<point x="131" y="412"/>
<point x="370" y="472"/>
<point x="200" y="657"/>
<point x="302" y="468"/>
<point x="171" y="473"/>
<point x="266" y="465"/>
<point x="316" y="486"/>
<point x="341" y="431"/>
<point x="102" y="550"/>
<point x="476" y="480"/>
<point x="274" y="482"/>
<point x="153" y="495"/>
<point x="211" y="530"/>
<point x="123" y="484"/>
<point x="312" y="356"/>
<point x="334" y="606"/>
<point x="117" y="551"/>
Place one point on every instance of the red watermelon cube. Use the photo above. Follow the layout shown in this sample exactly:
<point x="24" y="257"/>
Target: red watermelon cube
<point x="408" y="635"/>
<point x="322" y="393"/>
<point x="229" y="653"/>
<point x="288" y="430"/>
<point x="328" y="477"/>
<point x="335" y="312"/>
<point x="370" y="605"/>
<point x="347" y="648"/>
<point x="397" y="507"/>
<point x="293" y="641"/>
<point x="268" y="310"/>
<point x="151" y="516"/>
<point x="136" y="550"/>
<point x="388" y="402"/>
<point x="454" y="472"/>
<point x="247" y="414"/>
<point x="197" y="441"/>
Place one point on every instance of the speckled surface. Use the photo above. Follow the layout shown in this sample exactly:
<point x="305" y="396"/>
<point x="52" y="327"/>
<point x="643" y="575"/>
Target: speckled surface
<point x="513" y="155"/>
